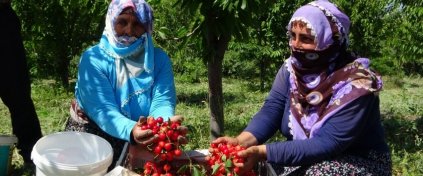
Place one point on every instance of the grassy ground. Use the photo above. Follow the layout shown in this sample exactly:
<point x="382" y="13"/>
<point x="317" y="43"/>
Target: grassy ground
<point x="401" y="106"/>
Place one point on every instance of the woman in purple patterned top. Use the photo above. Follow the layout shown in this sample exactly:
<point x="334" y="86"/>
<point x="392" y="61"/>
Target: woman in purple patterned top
<point x="324" y="100"/>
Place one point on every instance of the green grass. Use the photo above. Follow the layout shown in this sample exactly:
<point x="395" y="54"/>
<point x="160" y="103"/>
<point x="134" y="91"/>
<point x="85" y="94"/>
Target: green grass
<point x="402" y="111"/>
<point x="401" y="106"/>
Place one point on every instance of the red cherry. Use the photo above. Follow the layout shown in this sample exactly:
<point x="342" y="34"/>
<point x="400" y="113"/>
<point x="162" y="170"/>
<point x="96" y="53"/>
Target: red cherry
<point x="158" y="150"/>
<point x="177" y="152"/>
<point x="165" y="124"/>
<point x="169" y="156"/>
<point x="168" y="146"/>
<point x="238" y="160"/>
<point x="144" y="127"/>
<point x="159" y="120"/>
<point x="174" y="125"/>
<point x="151" y="122"/>
<point x="161" y="143"/>
<point x="175" y="136"/>
<point x="163" y="157"/>
<point x="226" y="152"/>
<point x="147" y="171"/>
<point x="162" y="136"/>
<point x="169" y="133"/>
<point x="166" y="167"/>
<point x="236" y="170"/>
<point x="222" y="169"/>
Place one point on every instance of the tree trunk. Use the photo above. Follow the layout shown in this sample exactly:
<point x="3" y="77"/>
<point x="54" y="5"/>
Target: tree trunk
<point x="217" y="46"/>
<point x="262" y="60"/>
<point x="63" y="68"/>
<point x="215" y="97"/>
<point x="64" y="73"/>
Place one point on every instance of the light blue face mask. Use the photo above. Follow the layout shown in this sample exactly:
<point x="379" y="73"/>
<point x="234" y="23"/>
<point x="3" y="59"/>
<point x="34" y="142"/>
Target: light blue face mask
<point x="126" y="40"/>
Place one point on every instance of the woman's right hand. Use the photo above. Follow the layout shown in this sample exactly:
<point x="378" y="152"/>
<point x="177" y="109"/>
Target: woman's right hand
<point x="225" y="139"/>
<point x="245" y="139"/>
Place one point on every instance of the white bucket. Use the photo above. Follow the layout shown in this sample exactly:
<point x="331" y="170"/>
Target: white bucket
<point x="72" y="153"/>
<point x="7" y="143"/>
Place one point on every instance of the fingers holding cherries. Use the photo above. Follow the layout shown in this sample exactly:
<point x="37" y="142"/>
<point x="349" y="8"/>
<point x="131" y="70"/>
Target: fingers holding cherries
<point x="165" y="139"/>
<point x="182" y="130"/>
<point x="224" y="159"/>
<point x="143" y="136"/>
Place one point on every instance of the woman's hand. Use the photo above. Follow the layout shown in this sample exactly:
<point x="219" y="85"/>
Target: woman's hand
<point x="78" y="113"/>
<point x="245" y="139"/>
<point x="143" y="137"/>
<point x="146" y="137"/>
<point x="183" y="130"/>
<point x="252" y="156"/>
<point x="226" y="139"/>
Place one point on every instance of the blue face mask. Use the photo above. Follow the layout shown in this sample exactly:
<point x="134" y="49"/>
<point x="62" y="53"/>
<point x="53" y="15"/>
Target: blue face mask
<point x="126" y="40"/>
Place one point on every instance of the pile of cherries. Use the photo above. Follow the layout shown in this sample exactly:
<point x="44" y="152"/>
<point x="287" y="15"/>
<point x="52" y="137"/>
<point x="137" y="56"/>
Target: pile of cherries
<point x="222" y="158"/>
<point x="165" y="148"/>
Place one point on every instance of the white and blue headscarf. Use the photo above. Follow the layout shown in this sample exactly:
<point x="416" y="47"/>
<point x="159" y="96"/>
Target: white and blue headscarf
<point x="134" y="59"/>
<point x="139" y="55"/>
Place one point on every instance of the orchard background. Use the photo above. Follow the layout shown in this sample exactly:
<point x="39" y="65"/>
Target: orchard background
<point x="252" y="45"/>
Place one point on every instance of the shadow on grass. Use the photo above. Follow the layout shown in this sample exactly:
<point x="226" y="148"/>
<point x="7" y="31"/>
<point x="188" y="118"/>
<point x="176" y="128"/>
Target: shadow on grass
<point x="404" y="134"/>
<point x="233" y="128"/>
<point x="198" y="98"/>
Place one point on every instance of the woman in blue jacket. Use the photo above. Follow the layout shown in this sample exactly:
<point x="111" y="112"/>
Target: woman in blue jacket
<point x="324" y="100"/>
<point x="122" y="78"/>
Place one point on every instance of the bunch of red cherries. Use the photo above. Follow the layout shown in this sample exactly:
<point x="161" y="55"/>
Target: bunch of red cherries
<point x="222" y="158"/>
<point x="165" y="148"/>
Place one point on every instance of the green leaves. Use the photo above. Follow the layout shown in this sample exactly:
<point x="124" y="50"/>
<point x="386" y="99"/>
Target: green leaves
<point x="215" y="168"/>
<point x="58" y="31"/>
<point x="193" y="169"/>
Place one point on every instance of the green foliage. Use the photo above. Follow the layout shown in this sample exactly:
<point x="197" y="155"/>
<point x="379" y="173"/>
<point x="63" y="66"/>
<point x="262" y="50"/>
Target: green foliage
<point x="172" y="34"/>
<point x="56" y="31"/>
<point x="388" y="31"/>
<point x="260" y="57"/>
<point x="404" y="45"/>
<point x="367" y="22"/>
<point x="190" y="69"/>
<point x="406" y="163"/>
<point x="402" y="112"/>
<point x="386" y="66"/>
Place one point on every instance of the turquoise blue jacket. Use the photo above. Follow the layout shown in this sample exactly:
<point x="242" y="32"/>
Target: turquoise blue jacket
<point x="116" y="108"/>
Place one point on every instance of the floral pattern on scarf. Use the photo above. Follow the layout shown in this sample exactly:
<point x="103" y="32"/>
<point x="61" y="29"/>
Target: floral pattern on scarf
<point x="336" y="90"/>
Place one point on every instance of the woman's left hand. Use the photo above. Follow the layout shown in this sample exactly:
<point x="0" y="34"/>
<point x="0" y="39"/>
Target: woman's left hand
<point x="252" y="156"/>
